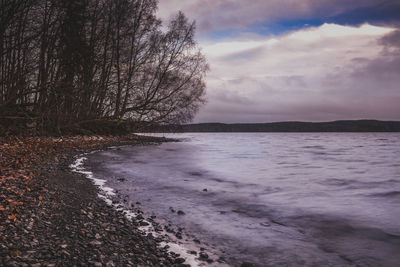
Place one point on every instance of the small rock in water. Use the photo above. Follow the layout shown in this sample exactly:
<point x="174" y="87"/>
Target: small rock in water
<point x="169" y="229"/>
<point x="172" y="209"/>
<point x="179" y="260"/>
<point x="203" y="256"/>
<point x="178" y="235"/>
<point x="180" y="212"/>
<point x="221" y="259"/>
<point x="247" y="264"/>
<point x="205" y="190"/>
<point x="142" y="223"/>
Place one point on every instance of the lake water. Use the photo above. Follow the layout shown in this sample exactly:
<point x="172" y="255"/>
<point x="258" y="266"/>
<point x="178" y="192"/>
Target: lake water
<point x="291" y="199"/>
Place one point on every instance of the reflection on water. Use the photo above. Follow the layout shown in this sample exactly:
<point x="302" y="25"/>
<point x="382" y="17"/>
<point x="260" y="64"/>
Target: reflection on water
<point x="273" y="198"/>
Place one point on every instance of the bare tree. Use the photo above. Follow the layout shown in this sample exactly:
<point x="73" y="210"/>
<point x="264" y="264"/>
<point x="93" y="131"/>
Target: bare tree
<point x="170" y="86"/>
<point x="70" y="61"/>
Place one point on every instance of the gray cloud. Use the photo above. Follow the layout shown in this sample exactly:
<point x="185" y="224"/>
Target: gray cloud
<point x="320" y="73"/>
<point x="391" y="39"/>
<point x="325" y="73"/>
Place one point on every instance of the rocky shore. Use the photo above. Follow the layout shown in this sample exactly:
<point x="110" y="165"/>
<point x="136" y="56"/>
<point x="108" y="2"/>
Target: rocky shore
<point x="50" y="216"/>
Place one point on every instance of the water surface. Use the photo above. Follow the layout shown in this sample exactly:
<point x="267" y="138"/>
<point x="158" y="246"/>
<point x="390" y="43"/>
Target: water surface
<point x="326" y="199"/>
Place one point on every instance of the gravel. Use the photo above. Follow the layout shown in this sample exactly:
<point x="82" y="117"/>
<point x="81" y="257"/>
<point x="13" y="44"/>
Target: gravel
<point x="63" y="223"/>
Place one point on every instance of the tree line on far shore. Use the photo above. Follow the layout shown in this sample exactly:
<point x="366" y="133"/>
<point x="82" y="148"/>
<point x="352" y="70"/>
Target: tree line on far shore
<point x="63" y="62"/>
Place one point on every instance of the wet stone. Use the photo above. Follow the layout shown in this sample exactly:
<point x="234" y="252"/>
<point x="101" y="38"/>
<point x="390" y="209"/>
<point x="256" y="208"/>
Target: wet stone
<point x="179" y="260"/>
<point x="178" y="235"/>
<point x="203" y="256"/>
<point x="247" y="264"/>
<point x="180" y="212"/>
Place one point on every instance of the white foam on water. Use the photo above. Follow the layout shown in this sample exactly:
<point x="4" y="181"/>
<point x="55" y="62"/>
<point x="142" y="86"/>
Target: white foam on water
<point x="106" y="192"/>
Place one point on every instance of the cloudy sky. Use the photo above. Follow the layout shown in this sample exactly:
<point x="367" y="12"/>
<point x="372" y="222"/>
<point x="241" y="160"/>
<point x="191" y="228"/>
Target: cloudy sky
<point x="308" y="60"/>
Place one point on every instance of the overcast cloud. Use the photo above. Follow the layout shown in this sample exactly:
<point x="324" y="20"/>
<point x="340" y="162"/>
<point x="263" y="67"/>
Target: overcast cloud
<point x="315" y="73"/>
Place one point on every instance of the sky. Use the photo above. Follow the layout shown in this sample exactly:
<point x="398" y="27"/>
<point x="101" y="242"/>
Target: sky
<point x="297" y="60"/>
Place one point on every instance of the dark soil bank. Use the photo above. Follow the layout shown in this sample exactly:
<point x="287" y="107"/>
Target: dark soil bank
<point x="69" y="225"/>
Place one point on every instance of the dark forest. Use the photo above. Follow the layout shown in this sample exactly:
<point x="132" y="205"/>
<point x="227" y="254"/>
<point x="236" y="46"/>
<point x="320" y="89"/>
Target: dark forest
<point x="69" y="62"/>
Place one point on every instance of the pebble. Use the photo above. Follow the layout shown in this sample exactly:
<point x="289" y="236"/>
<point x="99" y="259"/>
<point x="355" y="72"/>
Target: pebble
<point x="142" y="223"/>
<point x="179" y="260"/>
<point x="203" y="255"/>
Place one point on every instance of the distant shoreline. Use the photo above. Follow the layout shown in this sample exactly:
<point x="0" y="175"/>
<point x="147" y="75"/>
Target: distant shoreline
<point x="290" y="126"/>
